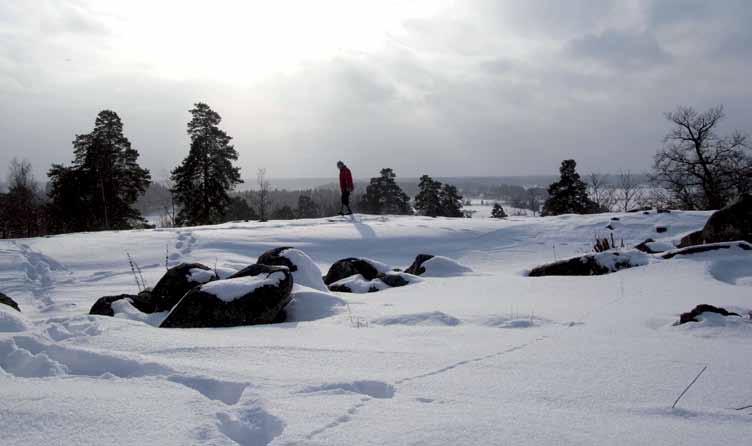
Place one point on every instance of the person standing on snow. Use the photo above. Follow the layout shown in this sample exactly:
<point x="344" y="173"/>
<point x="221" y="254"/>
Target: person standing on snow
<point x="346" y="186"/>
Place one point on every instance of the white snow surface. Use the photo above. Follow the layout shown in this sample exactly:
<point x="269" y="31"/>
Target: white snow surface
<point x="492" y="357"/>
<point x="229" y="290"/>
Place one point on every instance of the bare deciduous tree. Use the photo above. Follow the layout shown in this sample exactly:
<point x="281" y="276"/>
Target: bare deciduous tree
<point x="628" y="190"/>
<point x="263" y="203"/>
<point x="22" y="204"/>
<point x="701" y="169"/>
<point x="601" y="190"/>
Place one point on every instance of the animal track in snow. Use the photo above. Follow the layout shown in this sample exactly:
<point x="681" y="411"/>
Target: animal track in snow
<point x="251" y="425"/>
<point x="183" y="246"/>
<point x="373" y="389"/>
<point x="28" y="357"/>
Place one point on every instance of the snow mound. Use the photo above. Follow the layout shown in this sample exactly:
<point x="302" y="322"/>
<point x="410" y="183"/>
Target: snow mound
<point x="432" y="318"/>
<point x="307" y="273"/>
<point x="309" y="304"/>
<point x="23" y="363"/>
<point x="439" y="266"/>
<point x="12" y="320"/>
<point x="733" y="272"/>
<point x="231" y="289"/>
<point x="124" y="309"/>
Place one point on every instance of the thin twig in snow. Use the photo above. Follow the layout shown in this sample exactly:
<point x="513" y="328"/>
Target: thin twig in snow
<point x="687" y="388"/>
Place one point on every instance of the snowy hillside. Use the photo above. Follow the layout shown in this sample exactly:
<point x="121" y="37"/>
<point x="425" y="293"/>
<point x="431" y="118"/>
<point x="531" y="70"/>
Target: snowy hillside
<point x="490" y="356"/>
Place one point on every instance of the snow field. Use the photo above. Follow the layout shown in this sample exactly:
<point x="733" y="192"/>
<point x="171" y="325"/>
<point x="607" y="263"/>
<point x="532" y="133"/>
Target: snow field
<point x="485" y="357"/>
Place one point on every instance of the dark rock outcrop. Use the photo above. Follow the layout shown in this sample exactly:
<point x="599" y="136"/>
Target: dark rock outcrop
<point x="703" y="308"/>
<point x="350" y="266"/>
<point x="177" y="281"/>
<point x="590" y="264"/>
<point x="257" y="294"/>
<point x="6" y="300"/>
<point x="143" y="301"/>
<point x="274" y="257"/>
<point x="697" y="249"/>
<point x="394" y="279"/>
<point x="694" y="238"/>
<point x="734" y="222"/>
<point x="416" y="269"/>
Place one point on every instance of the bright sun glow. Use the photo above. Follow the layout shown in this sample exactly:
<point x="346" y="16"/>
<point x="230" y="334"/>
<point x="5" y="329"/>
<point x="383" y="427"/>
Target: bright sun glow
<point x="237" y="41"/>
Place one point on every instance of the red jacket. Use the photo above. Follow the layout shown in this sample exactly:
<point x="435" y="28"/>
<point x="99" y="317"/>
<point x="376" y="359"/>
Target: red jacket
<point x="345" y="179"/>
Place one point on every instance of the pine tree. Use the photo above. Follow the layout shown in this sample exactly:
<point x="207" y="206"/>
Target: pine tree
<point x="384" y="196"/>
<point x="239" y="209"/>
<point x="204" y="178"/>
<point x="450" y="201"/>
<point x="498" y="211"/>
<point x="428" y="199"/>
<point x="99" y="190"/>
<point x="307" y="208"/>
<point x="569" y="194"/>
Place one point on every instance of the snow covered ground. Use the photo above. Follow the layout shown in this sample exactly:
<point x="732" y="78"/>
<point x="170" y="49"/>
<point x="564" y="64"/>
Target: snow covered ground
<point x="488" y="357"/>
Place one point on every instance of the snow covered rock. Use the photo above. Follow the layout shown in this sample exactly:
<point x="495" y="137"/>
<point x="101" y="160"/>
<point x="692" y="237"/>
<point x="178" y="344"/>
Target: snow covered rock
<point x="697" y="249"/>
<point x="693" y="315"/>
<point x="436" y="266"/>
<point x="304" y="270"/>
<point x="4" y="299"/>
<point x="352" y="266"/>
<point x="143" y="301"/>
<point x="255" y="295"/>
<point x="177" y="281"/>
<point x="592" y="264"/>
<point x="359" y="284"/>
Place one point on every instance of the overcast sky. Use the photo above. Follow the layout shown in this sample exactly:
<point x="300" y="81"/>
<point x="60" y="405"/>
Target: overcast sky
<point x="439" y="87"/>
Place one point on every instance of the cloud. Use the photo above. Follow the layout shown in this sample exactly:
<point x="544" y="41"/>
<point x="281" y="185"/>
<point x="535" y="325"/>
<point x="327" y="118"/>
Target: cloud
<point x="620" y="49"/>
<point x="480" y="88"/>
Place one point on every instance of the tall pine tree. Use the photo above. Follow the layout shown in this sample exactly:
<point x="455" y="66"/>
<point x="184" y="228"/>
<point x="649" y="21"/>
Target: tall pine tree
<point x="428" y="199"/>
<point x="99" y="189"/>
<point x="569" y="194"/>
<point x="384" y="196"/>
<point x="204" y="178"/>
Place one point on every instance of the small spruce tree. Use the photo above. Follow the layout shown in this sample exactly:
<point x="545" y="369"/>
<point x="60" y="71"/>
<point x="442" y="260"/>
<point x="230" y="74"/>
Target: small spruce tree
<point x="498" y="211"/>
<point x="569" y="194"/>
<point x="204" y="178"/>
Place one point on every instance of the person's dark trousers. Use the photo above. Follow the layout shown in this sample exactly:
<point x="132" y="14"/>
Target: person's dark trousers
<point x="345" y="202"/>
